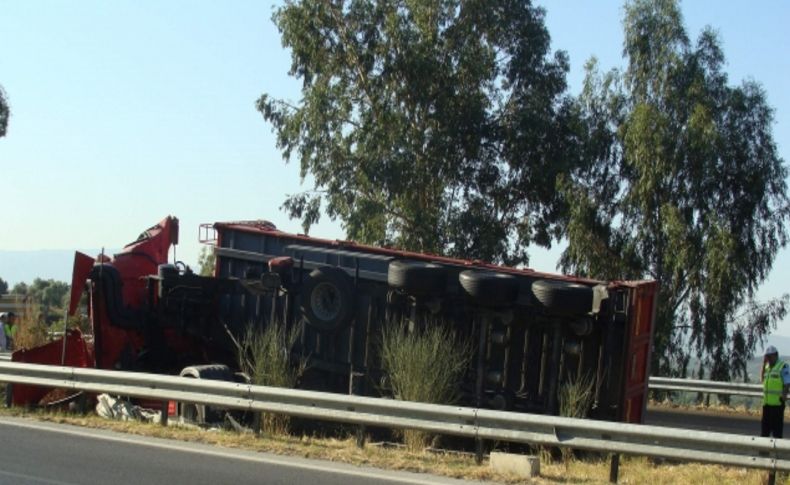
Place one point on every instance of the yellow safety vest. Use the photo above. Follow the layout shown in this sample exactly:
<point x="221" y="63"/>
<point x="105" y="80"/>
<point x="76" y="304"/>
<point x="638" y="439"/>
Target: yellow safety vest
<point x="773" y="384"/>
<point x="10" y="330"/>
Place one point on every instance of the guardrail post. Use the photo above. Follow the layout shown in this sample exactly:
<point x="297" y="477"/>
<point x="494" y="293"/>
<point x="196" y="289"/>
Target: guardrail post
<point x="772" y="477"/>
<point x="257" y="418"/>
<point x="165" y="412"/>
<point x="614" y="468"/>
<point x="82" y="403"/>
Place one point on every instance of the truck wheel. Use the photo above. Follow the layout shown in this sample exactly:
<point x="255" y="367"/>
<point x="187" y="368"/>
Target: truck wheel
<point x="417" y="277"/>
<point x="563" y="298"/>
<point x="489" y="288"/>
<point x="201" y="414"/>
<point x="326" y="299"/>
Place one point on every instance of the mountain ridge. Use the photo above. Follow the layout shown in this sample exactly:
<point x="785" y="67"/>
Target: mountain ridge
<point x="26" y="265"/>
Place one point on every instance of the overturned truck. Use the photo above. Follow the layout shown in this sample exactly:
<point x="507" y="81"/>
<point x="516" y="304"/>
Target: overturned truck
<point x="531" y="332"/>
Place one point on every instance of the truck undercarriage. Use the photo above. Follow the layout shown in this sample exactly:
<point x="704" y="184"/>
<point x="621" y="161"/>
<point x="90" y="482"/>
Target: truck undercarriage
<point x="530" y="332"/>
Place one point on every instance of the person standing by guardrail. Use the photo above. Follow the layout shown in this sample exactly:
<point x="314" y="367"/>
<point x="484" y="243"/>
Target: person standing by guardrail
<point x="3" y="342"/>
<point x="776" y="382"/>
<point x="10" y="329"/>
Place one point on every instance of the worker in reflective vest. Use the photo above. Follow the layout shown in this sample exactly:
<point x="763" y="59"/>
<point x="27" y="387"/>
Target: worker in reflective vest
<point x="10" y="328"/>
<point x="776" y="382"/>
<point x="3" y="320"/>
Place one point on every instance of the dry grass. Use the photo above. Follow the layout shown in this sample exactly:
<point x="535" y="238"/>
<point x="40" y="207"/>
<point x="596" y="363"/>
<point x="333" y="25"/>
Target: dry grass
<point x="32" y="330"/>
<point x="264" y="355"/>
<point x="576" y="398"/>
<point x="642" y="470"/>
<point x="423" y="365"/>
<point x="587" y="471"/>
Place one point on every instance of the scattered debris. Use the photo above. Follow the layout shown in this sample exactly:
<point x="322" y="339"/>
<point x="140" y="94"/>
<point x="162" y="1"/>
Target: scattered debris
<point x="122" y="410"/>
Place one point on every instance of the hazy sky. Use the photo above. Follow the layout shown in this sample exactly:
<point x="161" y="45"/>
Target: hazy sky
<point x="126" y="111"/>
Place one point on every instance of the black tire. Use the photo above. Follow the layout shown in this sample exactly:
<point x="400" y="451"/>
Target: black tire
<point x="489" y="288"/>
<point x="201" y="414"/>
<point x="417" y="277"/>
<point x="213" y="372"/>
<point x="563" y="298"/>
<point x="326" y="299"/>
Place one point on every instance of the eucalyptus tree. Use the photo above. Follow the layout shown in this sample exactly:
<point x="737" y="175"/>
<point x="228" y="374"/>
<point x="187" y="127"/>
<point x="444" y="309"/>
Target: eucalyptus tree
<point x="5" y="112"/>
<point x="434" y="125"/>
<point x="682" y="184"/>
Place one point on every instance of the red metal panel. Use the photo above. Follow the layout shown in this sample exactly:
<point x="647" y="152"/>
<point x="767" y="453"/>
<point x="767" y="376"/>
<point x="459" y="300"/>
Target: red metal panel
<point x="639" y="341"/>
<point x="82" y="268"/>
<point x="634" y="409"/>
<point x="75" y="353"/>
<point x="135" y="260"/>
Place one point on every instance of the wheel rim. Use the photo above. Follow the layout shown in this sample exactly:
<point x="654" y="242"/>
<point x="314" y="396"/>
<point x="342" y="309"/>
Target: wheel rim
<point x="325" y="301"/>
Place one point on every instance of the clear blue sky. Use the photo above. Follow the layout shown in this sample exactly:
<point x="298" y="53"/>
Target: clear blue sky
<point x="126" y="111"/>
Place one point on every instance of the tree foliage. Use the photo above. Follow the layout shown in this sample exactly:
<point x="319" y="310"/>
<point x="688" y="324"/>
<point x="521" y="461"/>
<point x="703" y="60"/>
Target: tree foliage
<point x="3" y="286"/>
<point x="438" y="125"/>
<point x="50" y="294"/>
<point x="5" y="112"/>
<point x="683" y="185"/>
<point x="206" y="261"/>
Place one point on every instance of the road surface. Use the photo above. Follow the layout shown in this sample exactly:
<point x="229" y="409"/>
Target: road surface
<point x="707" y="421"/>
<point x="46" y="453"/>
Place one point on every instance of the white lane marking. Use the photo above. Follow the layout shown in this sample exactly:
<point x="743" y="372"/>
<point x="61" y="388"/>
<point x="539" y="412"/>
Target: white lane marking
<point x="33" y="478"/>
<point x="329" y="467"/>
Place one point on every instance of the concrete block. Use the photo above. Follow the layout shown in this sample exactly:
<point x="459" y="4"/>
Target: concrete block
<point x="524" y="466"/>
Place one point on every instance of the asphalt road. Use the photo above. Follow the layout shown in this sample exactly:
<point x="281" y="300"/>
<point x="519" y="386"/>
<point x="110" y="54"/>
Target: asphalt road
<point x="44" y="453"/>
<point x="707" y="421"/>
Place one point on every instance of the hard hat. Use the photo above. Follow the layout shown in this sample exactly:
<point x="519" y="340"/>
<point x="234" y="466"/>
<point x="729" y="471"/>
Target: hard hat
<point x="771" y="350"/>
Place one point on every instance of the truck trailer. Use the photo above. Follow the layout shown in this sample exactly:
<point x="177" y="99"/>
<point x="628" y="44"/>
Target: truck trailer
<point x="530" y="332"/>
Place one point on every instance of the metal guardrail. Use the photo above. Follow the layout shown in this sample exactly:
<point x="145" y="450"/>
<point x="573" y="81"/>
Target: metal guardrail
<point x="713" y="387"/>
<point x="632" y="439"/>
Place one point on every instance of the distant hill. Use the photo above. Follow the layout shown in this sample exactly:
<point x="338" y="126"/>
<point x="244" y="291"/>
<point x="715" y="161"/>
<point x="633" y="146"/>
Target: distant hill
<point x="25" y="266"/>
<point x="754" y="366"/>
<point x="781" y="343"/>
